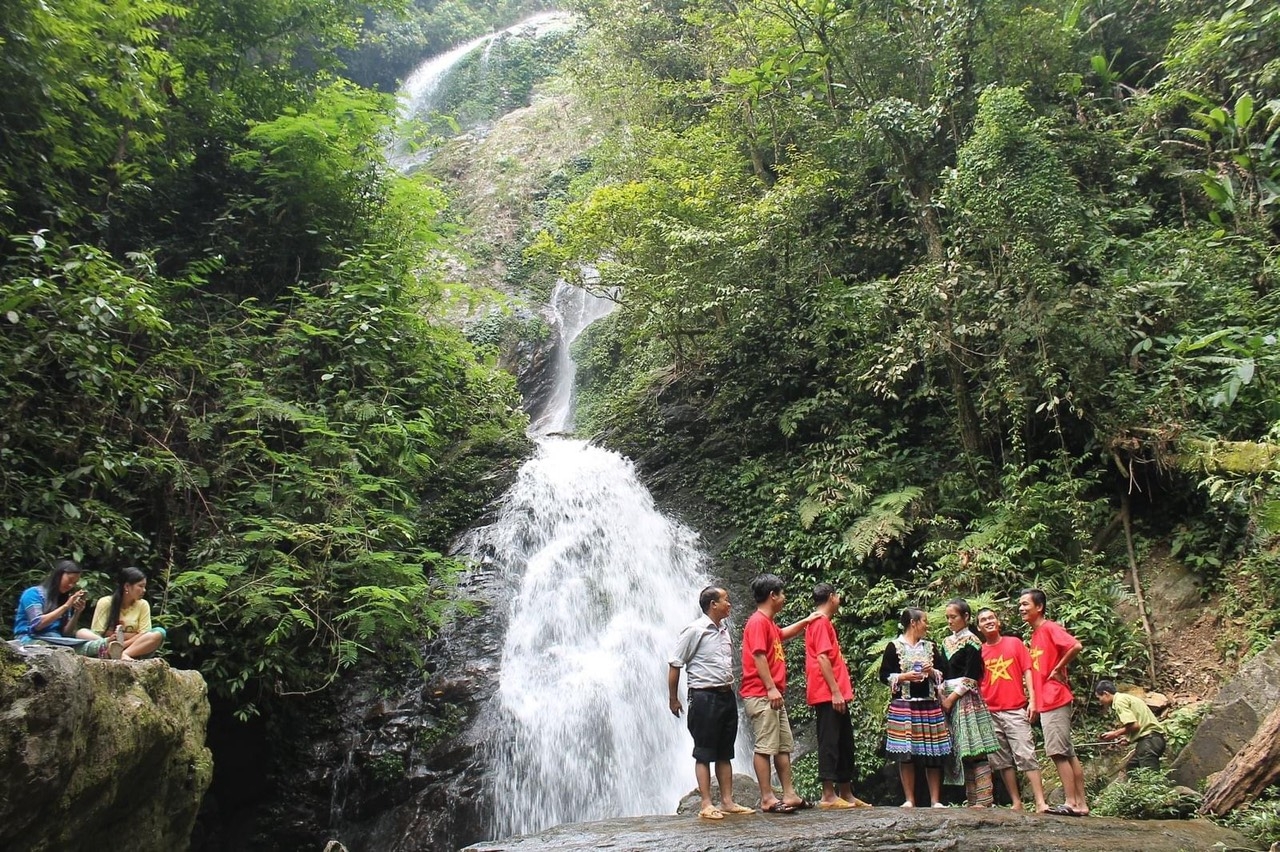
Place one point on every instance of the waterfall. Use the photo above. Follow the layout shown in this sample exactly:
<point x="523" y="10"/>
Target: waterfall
<point x="598" y="584"/>
<point x="418" y="92"/>
<point x="573" y="309"/>
<point x="602" y="584"/>
<point x="417" y="97"/>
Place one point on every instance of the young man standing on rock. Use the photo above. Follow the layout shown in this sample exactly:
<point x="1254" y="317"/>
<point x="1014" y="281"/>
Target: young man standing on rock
<point x="705" y="651"/>
<point x="1006" y="683"/>
<point x="1137" y="722"/>
<point x="829" y="692"/>
<point x="1052" y="650"/>
<point x="764" y="680"/>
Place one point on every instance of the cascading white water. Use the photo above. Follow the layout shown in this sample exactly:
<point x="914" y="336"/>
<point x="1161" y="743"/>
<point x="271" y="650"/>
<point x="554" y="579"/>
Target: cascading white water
<point x="600" y="584"/>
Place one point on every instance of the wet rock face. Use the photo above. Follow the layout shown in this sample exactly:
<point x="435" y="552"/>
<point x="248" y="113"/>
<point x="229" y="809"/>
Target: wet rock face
<point x="97" y="754"/>
<point x="533" y="363"/>
<point x="408" y="770"/>
<point x="875" y="830"/>
<point x="1240" y="706"/>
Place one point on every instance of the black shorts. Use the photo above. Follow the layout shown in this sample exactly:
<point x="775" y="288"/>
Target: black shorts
<point x="713" y="721"/>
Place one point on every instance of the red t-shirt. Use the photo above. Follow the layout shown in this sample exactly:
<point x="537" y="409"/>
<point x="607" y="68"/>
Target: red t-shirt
<point x="820" y="638"/>
<point x="1049" y="642"/>
<point x="761" y="634"/>
<point x="1004" y="663"/>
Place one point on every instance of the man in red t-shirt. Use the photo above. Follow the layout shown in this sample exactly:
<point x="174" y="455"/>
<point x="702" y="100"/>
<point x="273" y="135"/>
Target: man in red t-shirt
<point x="829" y="691"/>
<point x="1006" y="683"/>
<point x="764" y="679"/>
<point x="1052" y="650"/>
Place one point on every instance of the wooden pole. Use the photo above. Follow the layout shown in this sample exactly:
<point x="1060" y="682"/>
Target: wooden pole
<point x="1137" y="588"/>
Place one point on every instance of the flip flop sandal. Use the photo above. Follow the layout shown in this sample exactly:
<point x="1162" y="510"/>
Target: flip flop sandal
<point x="780" y="807"/>
<point x="710" y="813"/>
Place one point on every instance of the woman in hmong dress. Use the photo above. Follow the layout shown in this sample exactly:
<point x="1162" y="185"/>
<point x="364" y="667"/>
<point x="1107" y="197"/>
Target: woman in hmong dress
<point x="973" y="733"/>
<point x="916" y="727"/>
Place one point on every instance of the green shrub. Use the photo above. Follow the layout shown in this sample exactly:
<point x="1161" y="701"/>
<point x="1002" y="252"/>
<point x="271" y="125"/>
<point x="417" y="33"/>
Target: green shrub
<point x="1144" y="794"/>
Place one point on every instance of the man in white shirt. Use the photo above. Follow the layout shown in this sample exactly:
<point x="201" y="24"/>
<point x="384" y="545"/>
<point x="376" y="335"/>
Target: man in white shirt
<point x="705" y="651"/>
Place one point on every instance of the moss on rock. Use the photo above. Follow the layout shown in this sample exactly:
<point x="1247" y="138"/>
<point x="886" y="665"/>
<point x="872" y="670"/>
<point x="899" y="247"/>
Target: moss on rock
<point x="95" y="753"/>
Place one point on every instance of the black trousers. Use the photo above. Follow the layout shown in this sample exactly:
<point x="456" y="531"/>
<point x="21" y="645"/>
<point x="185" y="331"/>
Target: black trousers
<point x="835" y="744"/>
<point x="1146" y="752"/>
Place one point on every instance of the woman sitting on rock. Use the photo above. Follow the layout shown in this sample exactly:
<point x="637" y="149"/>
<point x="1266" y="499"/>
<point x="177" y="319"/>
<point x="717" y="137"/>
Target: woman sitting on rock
<point x="49" y="613"/>
<point x="127" y="616"/>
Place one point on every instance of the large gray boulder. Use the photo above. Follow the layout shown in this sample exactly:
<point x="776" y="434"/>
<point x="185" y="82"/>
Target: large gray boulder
<point x="876" y="830"/>
<point x="1238" y="709"/>
<point x="98" y="754"/>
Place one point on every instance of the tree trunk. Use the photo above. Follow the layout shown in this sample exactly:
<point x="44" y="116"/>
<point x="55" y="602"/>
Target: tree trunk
<point x="966" y="412"/>
<point x="1254" y="768"/>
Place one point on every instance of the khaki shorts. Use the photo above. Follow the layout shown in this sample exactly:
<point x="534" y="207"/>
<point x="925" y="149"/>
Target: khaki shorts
<point x="771" y="727"/>
<point x="1017" y="745"/>
<point x="1056" y="725"/>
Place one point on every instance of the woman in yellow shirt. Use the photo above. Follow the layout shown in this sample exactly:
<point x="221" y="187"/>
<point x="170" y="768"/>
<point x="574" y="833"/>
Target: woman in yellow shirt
<point x="127" y="609"/>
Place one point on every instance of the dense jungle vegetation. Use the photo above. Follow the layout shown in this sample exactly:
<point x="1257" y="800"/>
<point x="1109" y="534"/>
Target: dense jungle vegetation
<point x="222" y="354"/>
<point x="931" y="299"/>
<point x="919" y="298"/>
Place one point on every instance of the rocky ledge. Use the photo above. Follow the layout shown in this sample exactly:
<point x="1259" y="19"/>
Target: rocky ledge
<point x="98" y="754"/>
<point x="878" y="830"/>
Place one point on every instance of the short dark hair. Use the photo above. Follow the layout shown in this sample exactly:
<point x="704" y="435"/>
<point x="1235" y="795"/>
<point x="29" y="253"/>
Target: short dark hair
<point x="765" y="585"/>
<point x="910" y="616"/>
<point x="1104" y="687"/>
<point x="708" y="596"/>
<point x="823" y="592"/>
<point x="988" y="609"/>
<point x="1037" y="598"/>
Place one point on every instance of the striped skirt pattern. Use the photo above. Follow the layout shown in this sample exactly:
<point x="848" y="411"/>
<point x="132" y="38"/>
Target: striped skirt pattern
<point x="973" y="733"/>
<point x="916" y="729"/>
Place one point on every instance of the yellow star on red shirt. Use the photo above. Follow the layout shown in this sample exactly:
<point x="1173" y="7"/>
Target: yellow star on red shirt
<point x="998" y="669"/>
<point x="1036" y="654"/>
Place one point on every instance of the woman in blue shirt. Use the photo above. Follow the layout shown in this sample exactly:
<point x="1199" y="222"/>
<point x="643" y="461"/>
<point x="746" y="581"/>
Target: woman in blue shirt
<point x="50" y="613"/>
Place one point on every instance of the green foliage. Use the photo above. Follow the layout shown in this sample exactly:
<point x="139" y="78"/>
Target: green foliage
<point x="226" y="363"/>
<point x="1144" y="794"/>
<point x="1259" y="820"/>
<point x="1180" y="726"/>
<point x="82" y="93"/>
